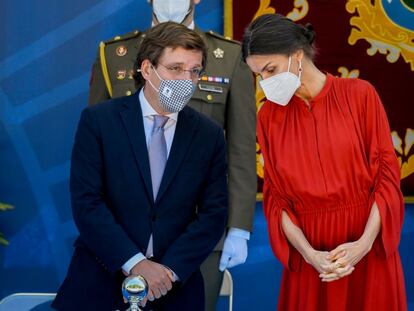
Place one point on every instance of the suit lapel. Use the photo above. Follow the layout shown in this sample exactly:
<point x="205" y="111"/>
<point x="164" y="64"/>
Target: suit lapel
<point x="184" y="132"/>
<point x="132" y="119"/>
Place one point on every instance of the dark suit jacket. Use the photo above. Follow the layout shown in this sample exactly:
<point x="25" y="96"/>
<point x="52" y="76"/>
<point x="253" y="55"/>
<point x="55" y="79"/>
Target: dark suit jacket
<point x="232" y="105"/>
<point x="114" y="209"/>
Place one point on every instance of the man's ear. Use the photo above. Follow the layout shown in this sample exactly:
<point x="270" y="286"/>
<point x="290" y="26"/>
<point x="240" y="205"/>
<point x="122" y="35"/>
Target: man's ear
<point x="145" y="69"/>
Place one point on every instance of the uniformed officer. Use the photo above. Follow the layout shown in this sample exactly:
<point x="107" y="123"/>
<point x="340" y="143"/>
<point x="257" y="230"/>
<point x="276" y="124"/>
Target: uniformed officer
<point x="226" y="94"/>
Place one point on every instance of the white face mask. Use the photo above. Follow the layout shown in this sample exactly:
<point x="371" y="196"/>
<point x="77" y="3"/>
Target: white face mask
<point x="281" y="87"/>
<point x="174" y="94"/>
<point x="171" y="10"/>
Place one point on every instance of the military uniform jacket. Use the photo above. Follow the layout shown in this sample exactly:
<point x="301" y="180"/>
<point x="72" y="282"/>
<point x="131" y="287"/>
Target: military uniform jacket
<point x="225" y="93"/>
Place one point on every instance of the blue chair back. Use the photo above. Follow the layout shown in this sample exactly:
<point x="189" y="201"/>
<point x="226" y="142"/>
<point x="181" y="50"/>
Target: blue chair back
<point x="27" y="302"/>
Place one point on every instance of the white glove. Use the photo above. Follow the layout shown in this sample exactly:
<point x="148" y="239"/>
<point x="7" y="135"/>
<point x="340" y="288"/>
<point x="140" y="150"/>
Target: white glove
<point x="234" y="249"/>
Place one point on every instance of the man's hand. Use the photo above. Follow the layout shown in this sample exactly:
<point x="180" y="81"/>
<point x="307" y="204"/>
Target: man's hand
<point x="234" y="252"/>
<point x="158" y="277"/>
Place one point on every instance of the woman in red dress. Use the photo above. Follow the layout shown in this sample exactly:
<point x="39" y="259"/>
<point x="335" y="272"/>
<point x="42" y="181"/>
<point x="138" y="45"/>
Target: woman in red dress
<point x="331" y="194"/>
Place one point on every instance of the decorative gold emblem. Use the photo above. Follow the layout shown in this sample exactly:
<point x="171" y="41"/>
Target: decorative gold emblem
<point x="259" y="162"/>
<point x="385" y="36"/>
<point x="131" y="74"/>
<point x="218" y="53"/>
<point x="260" y="100"/>
<point x="405" y="156"/>
<point x="300" y="10"/>
<point x="346" y="73"/>
<point x="121" y="74"/>
<point x="121" y="50"/>
<point x="260" y="96"/>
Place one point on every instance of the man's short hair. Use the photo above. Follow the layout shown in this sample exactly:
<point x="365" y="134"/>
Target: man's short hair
<point x="167" y="35"/>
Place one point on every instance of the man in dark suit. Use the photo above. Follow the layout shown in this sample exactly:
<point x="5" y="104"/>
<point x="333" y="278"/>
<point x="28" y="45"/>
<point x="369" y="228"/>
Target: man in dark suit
<point x="225" y="93"/>
<point x="148" y="185"/>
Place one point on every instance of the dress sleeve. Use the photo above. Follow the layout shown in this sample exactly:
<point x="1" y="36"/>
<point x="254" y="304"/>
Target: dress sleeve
<point x="274" y="203"/>
<point x="385" y="172"/>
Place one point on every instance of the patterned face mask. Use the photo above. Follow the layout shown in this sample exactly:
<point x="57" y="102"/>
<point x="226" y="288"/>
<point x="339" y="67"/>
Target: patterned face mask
<point x="174" y="94"/>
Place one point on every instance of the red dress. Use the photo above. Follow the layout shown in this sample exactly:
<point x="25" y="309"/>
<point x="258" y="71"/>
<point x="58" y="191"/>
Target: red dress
<point x="325" y="165"/>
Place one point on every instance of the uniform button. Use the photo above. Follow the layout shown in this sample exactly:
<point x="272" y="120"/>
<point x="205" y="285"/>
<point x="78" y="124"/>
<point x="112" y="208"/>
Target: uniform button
<point x="128" y="93"/>
<point x="209" y="97"/>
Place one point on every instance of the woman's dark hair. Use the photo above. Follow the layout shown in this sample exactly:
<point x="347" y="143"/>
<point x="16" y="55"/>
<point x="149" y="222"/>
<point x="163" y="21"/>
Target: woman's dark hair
<point x="276" y="34"/>
<point x="166" y="35"/>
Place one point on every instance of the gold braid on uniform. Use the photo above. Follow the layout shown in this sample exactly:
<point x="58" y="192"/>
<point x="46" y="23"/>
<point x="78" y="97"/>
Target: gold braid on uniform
<point x="105" y="68"/>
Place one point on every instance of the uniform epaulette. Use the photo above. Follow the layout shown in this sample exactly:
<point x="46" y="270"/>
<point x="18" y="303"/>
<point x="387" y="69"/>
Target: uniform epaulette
<point x="120" y="51"/>
<point x="124" y="37"/>
<point x="216" y="35"/>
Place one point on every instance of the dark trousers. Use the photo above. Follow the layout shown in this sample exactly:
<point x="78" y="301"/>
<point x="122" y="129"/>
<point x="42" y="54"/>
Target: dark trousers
<point x="188" y="296"/>
<point x="88" y="286"/>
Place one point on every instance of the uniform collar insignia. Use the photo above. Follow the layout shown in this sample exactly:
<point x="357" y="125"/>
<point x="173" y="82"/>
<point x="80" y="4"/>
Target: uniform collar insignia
<point x="218" y="53"/>
<point x="121" y="50"/>
<point x="121" y="74"/>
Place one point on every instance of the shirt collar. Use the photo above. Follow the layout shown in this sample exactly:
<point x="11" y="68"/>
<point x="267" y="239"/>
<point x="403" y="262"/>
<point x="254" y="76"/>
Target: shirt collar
<point x="148" y="111"/>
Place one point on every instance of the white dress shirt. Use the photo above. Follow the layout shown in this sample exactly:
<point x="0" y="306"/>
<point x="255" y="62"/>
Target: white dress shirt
<point x="169" y="129"/>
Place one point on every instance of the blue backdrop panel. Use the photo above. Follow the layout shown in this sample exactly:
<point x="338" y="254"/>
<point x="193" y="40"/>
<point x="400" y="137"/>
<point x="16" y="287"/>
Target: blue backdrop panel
<point x="46" y="54"/>
<point x="47" y="50"/>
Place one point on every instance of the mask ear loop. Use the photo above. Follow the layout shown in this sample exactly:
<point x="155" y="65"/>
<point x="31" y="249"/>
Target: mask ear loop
<point x="190" y="9"/>
<point x="161" y="79"/>
<point x="290" y="60"/>
<point x="149" y="81"/>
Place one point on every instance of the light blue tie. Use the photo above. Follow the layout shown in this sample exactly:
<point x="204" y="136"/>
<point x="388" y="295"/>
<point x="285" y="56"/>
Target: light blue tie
<point x="157" y="152"/>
